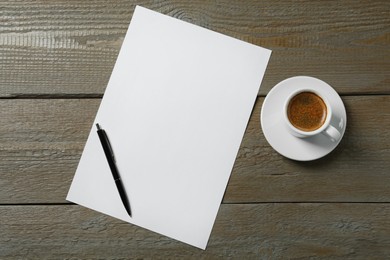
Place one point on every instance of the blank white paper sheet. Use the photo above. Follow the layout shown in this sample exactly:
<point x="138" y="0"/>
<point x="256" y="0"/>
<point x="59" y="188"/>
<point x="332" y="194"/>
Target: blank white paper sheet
<point x="175" y="110"/>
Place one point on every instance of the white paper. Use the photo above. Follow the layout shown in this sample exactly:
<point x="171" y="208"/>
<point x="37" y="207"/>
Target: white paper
<point x="175" y="111"/>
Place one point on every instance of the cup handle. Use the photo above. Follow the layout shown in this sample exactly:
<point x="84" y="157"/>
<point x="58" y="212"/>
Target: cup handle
<point x="332" y="133"/>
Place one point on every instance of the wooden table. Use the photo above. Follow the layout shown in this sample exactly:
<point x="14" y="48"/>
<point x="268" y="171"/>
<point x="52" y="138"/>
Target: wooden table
<point x="56" y="57"/>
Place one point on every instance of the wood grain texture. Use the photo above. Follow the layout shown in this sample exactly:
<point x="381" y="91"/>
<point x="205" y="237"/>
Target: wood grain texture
<point x="41" y="144"/>
<point x="42" y="141"/>
<point x="56" y="57"/>
<point x="263" y="231"/>
<point x="356" y="171"/>
<point x="70" y="47"/>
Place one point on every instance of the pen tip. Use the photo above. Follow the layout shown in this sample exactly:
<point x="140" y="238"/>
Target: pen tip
<point x="98" y="126"/>
<point x="128" y="211"/>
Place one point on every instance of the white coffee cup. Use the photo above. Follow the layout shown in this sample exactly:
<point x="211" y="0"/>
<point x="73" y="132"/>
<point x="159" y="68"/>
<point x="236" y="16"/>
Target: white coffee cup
<point x="299" y="113"/>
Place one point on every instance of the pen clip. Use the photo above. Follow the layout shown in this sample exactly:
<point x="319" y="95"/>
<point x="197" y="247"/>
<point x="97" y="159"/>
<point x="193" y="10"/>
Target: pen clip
<point x="107" y="141"/>
<point x="109" y="147"/>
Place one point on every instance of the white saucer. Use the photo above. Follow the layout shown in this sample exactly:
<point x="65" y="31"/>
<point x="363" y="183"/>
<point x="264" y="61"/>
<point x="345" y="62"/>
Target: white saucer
<point x="275" y="129"/>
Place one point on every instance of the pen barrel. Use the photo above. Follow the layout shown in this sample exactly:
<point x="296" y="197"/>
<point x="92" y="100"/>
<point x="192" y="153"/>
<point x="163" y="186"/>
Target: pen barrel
<point x="114" y="170"/>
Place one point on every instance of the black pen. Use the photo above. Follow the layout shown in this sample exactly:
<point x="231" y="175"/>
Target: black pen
<point x="114" y="170"/>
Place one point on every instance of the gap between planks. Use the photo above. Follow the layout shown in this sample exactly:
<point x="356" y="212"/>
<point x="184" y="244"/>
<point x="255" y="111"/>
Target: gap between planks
<point x="99" y="96"/>
<point x="228" y="203"/>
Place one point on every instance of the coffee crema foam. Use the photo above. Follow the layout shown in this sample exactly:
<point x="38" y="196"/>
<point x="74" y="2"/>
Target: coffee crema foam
<point x="307" y="111"/>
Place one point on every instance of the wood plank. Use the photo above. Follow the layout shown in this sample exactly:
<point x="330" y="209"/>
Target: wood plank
<point x="266" y="231"/>
<point x="69" y="47"/>
<point x="41" y="144"/>
<point x="356" y="171"/>
<point x="42" y="140"/>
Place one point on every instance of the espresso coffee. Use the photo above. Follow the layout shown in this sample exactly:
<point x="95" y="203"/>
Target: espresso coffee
<point x="307" y="111"/>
